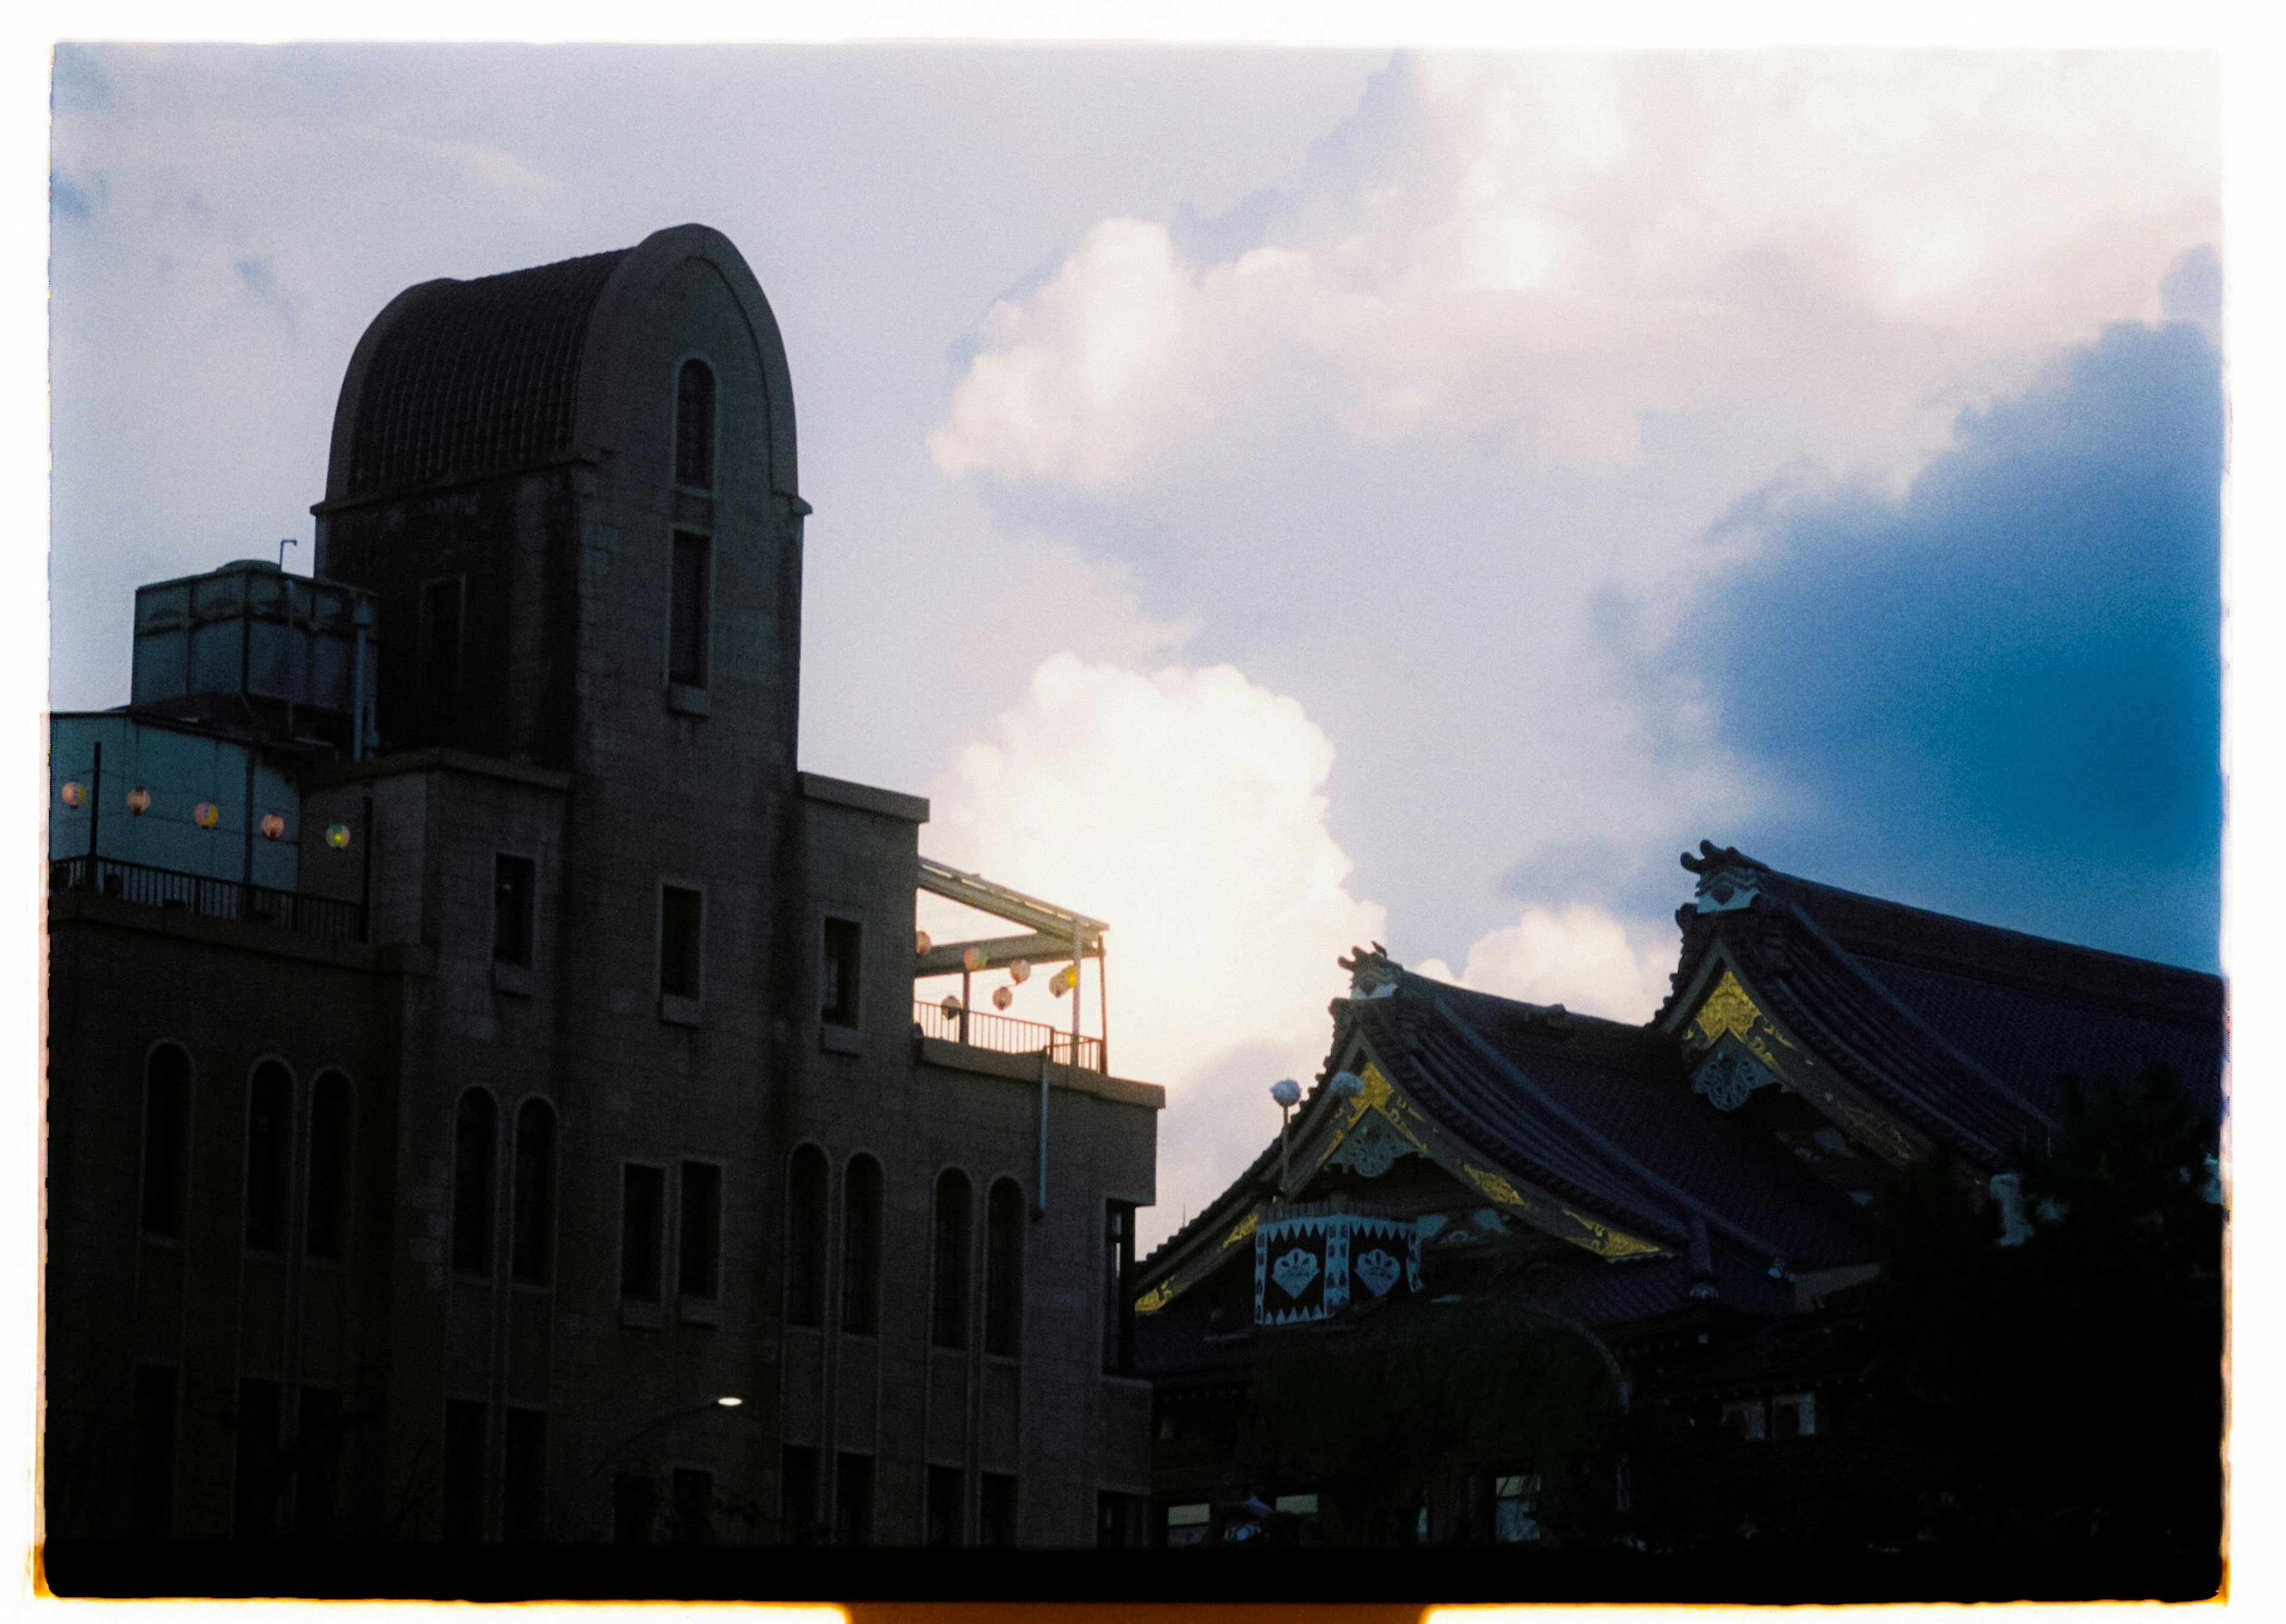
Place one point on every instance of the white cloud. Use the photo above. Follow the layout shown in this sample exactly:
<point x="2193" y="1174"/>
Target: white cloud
<point x="1542" y="249"/>
<point x="1185" y="809"/>
<point x="1582" y="958"/>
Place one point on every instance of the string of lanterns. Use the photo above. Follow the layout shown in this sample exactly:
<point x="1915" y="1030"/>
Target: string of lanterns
<point x="1019" y="971"/>
<point x="208" y="814"/>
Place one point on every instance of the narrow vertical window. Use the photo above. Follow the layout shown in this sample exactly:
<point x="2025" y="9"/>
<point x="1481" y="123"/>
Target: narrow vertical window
<point x="512" y="899"/>
<point x="861" y="1247"/>
<point x="166" y="1117"/>
<point x="679" y="924"/>
<point x="441" y="639"/>
<point x="472" y="1183"/>
<point x="853" y="1499"/>
<point x="701" y="1233"/>
<point x="329" y="1156"/>
<point x="805" y="1238"/>
<point x="948" y="1313"/>
<point x="1118" y="1287"/>
<point x="944" y="1508"/>
<point x="798" y="1521"/>
<point x="1003" y="1268"/>
<point x="254" y="1510"/>
<point x="317" y="1445"/>
<point x="694" y="1506"/>
<point x="687" y="618"/>
<point x="635" y="1508"/>
<point x="152" y="1481"/>
<point x="464" y="1472"/>
<point x="270" y="1104"/>
<point x="535" y="1191"/>
<point x="694" y="426"/>
<point x="997" y="1510"/>
<point x="840" y="1003"/>
<point x="523" y="1485"/>
<point x="640" y="1209"/>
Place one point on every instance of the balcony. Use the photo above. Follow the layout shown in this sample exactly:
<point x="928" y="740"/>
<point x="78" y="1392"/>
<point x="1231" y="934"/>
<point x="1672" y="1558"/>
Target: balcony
<point x="211" y="898"/>
<point x="1005" y="1034"/>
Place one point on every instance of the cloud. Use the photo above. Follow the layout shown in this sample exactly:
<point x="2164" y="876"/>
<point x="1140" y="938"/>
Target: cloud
<point x="1999" y="694"/>
<point x="1186" y="809"/>
<point x="1580" y="956"/>
<point x="1544" y="249"/>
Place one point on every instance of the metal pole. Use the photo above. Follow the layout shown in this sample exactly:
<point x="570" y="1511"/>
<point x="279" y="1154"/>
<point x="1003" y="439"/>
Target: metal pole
<point x="1040" y="1188"/>
<point x="1103" y="1002"/>
<point x="1077" y="964"/>
<point x="964" y="1003"/>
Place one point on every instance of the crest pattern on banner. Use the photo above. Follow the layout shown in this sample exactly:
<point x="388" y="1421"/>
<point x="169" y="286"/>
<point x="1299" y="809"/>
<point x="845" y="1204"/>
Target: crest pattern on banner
<point x="1311" y="1268"/>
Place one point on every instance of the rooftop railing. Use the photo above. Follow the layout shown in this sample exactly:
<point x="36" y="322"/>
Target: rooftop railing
<point x="1005" y="1034"/>
<point x="209" y="897"/>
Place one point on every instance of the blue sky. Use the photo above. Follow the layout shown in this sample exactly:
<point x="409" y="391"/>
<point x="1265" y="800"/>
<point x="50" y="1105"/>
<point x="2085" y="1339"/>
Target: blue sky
<point x="1274" y="499"/>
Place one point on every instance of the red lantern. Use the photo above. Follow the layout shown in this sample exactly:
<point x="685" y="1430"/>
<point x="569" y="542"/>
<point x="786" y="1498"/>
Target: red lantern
<point x="138" y="801"/>
<point x="272" y="825"/>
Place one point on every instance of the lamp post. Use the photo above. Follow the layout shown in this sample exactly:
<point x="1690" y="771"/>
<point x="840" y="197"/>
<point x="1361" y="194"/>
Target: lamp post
<point x="1287" y="1092"/>
<point x="727" y="1401"/>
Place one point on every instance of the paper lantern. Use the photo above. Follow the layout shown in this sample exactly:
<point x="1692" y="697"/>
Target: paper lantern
<point x="272" y="825"/>
<point x="205" y="815"/>
<point x="1063" y="980"/>
<point x="950" y="1006"/>
<point x="73" y="795"/>
<point x="337" y="836"/>
<point x="1020" y="970"/>
<point x="138" y="801"/>
<point x="971" y="959"/>
<point x="1002" y="997"/>
<point x="920" y="943"/>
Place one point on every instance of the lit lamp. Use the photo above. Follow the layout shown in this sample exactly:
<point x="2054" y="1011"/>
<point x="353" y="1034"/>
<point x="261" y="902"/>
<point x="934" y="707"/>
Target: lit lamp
<point x="272" y="825"/>
<point x="1288" y="1093"/>
<point x="337" y="836"/>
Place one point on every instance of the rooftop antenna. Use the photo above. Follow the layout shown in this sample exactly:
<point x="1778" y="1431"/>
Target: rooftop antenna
<point x="283" y="543"/>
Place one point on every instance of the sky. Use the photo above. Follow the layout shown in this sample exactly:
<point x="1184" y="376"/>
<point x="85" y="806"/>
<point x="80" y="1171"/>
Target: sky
<point x="1275" y="500"/>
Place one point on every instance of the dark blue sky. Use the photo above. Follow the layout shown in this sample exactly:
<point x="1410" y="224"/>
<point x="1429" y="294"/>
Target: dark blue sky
<point x="2001" y="696"/>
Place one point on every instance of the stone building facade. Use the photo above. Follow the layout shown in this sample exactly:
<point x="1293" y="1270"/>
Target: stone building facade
<point x="597" y="1184"/>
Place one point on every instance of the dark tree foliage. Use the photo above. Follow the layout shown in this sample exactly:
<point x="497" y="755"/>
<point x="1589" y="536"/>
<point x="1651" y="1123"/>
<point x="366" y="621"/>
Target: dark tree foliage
<point x="2060" y="1375"/>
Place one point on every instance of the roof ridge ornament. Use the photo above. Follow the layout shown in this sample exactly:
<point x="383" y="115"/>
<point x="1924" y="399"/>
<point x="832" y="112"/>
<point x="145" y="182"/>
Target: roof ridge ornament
<point x="1729" y="880"/>
<point x="1372" y="973"/>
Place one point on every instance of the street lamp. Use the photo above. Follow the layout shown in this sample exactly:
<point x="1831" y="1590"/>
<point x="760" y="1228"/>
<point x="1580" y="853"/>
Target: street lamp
<point x="1287" y="1092"/>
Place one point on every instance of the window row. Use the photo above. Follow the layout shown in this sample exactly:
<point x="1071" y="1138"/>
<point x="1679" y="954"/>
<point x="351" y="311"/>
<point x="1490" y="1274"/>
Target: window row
<point x="276" y="1151"/>
<point x="643" y="1235"/>
<point x="808" y="1515"/>
<point x="951" y="1253"/>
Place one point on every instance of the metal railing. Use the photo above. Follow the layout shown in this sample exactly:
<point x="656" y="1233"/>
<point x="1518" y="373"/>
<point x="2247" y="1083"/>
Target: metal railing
<point x="1005" y="1034"/>
<point x="209" y="897"/>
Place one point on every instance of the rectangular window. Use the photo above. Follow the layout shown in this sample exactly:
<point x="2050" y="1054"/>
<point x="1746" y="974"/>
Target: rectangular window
<point x="1746" y="1420"/>
<point x="1004" y="1269"/>
<point x="525" y="1483"/>
<point x="687" y="621"/>
<point x="151" y="1491"/>
<point x="254" y="1511"/>
<point x="680" y="911"/>
<point x="853" y="1499"/>
<point x="635" y="1508"/>
<point x="694" y="1506"/>
<point x="441" y="639"/>
<point x="464" y="1472"/>
<point x="1118" y="1521"/>
<point x="512" y="900"/>
<point x="861" y="1247"/>
<point x="702" y="1229"/>
<point x="316" y="1451"/>
<point x="641" y="1203"/>
<point x="944" y="1505"/>
<point x="1188" y="1525"/>
<point x="798" y="1496"/>
<point x="842" y="941"/>
<point x="1118" y="1287"/>
<point x="1794" y="1414"/>
<point x="1515" y="1497"/>
<point x="997" y="1510"/>
<point x="166" y="1114"/>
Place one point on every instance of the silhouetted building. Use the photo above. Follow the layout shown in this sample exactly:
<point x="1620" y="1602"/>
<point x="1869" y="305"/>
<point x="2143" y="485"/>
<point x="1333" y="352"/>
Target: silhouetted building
<point x="487" y="1098"/>
<point x="1495" y="1227"/>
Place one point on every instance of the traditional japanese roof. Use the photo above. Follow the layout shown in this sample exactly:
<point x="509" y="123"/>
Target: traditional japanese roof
<point x="472" y="377"/>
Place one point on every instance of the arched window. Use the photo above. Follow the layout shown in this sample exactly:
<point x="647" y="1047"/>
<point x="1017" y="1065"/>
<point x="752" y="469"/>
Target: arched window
<point x="472" y="1183"/>
<point x="330" y="1162"/>
<point x="948" y="1306"/>
<point x="535" y="1191"/>
<point x="861" y="1247"/>
<point x="806" y="1239"/>
<point x="694" y="426"/>
<point x="1003" y="1268"/>
<point x="269" y="1146"/>
<point x="166" y="1124"/>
